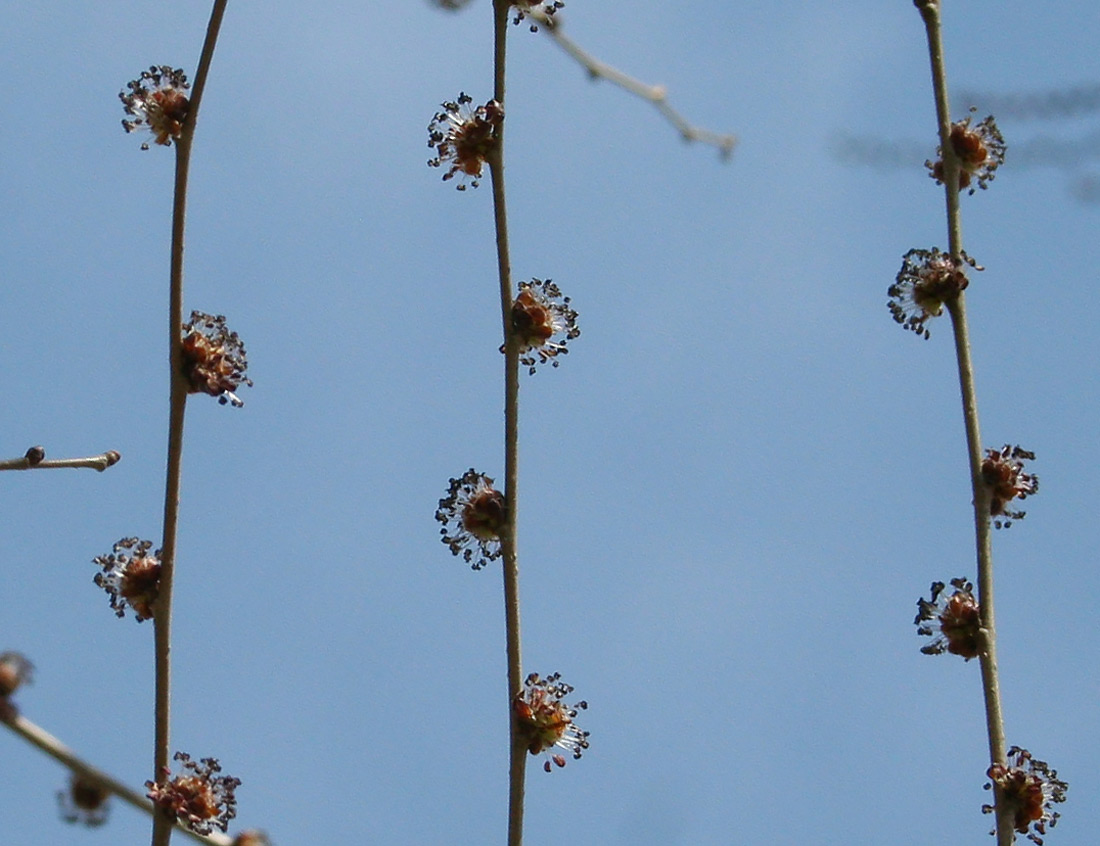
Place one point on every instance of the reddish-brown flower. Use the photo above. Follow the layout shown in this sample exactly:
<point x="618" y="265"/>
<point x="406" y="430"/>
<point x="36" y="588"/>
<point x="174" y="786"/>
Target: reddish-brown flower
<point x="463" y="137"/>
<point x="980" y="150"/>
<point x="539" y="315"/>
<point x="952" y="622"/>
<point x="536" y="10"/>
<point x="1004" y="476"/>
<point x="156" y="100"/>
<point x="85" y="802"/>
<point x="15" y="671"/>
<point x="214" y="359"/>
<point x="545" y="722"/>
<point x="473" y="515"/>
<point x="131" y="576"/>
<point x="198" y="797"/>
<point x="251" y="837"/>
<point x="1029" y="788"/>
<point x="927" y="280"/>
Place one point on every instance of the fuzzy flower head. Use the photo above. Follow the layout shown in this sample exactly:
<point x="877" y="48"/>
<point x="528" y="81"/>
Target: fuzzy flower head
<point x="951" y="621"/>
<point x="927" y="280"/>
<point x="463" y="137"/>
<point x="1030" y="788"/>
<point x="545" y="722"/>
<point x="251" y="837"/>
<point x="980" y="150"/>
<point x="131" y="576"/>
<point x="473" y="514"/>
<point x="1003" y="473"/>
<point x="539" y="314"/>
<point x="85" y="802"/>
<point x="198" y="797"/>
<point x="214" y="360"/>
<point x="156" y="101"/>
<point x="537" y="10"/>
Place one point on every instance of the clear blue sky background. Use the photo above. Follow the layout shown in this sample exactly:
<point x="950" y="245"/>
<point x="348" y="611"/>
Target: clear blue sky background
<point x="732" y="492"/>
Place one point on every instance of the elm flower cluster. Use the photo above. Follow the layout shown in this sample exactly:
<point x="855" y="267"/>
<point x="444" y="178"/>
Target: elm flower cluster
<point x="953" y="622"/>
<point x="542" y="9"/>
<point x="927" y="280"/>
<point x="213" y="358"/>
<point x="85" y="802"/>
<point x="15" y="671"/>
<point x="131" y="576"/>
<point x="539" y="314"/>
<point x="1029" y="788"/>
<point x="1003" y="473"/>
<point x="463" y="137"/>
<point x="197" y="797"/>
<point x="473" y="515"/>
<point x="980" y="150"/>
<point x="156" y="101"/>
<point x="545" y="722"/>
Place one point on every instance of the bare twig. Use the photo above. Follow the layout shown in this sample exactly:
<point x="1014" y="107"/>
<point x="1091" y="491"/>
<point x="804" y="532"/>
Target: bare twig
<point x="656" y="94"/>
<point x="35" y="459"/>
<point x="57" y="750"/>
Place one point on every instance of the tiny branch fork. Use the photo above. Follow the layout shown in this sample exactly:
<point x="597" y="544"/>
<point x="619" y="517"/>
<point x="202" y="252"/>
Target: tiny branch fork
<point x="53" y="747"/>
<point x="655" y="94"/>
<point x="930" y="14"/>
<point x="162" y="620"/>
<point x="35" y="459"/>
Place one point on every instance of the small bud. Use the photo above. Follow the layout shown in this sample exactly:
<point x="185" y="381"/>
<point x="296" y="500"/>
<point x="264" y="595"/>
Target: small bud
<point x="85" y="802"/>
<point x="35" y="455"/>
<point x="15" y="671"/>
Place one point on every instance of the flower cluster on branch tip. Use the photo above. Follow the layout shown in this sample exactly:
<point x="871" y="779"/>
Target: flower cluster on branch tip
<point x="198" y="797"/>
<point x="156" y="101"/>
<point x="539" y="314"/>
<point x="473" y="515"/>
<point x="951" y="621"/>
<point x="979" y="149"/>
<point x="131" y="577"/>
<point x="1004" y="476"/>
<point x="85" y="802"/>
<point x="213" y="358"/>
<point x="1030" y="789"/>
<point x="547" y="8"/>
<point x="463" y="137"/>
<point x="927" y="280"/>
<point x="546" y="722"/>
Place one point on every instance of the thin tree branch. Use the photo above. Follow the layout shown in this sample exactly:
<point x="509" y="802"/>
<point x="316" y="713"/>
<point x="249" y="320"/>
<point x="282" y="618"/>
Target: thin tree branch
<point x="35" y="459"/>
<point x="655" y="94"/>
<point x="517" y="749"/>
<point x="930" y="13"/>
<point x="162" y="620"/>
<point x="57" y="750"/>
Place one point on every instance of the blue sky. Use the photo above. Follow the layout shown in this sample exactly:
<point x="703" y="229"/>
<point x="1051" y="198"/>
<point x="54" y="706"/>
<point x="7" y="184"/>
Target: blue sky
<point x="732" y="491"/>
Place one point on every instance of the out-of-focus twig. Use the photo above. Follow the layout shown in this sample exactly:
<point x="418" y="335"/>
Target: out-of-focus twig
<point x="57" y="750"/>
<point x="35" y="459"/>
<point x="656" y="94"/>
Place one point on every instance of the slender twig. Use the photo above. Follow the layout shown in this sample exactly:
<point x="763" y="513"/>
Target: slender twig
<point x="930" y="13"/>
<point x="655" y="94"/>
<point x="162" y="823"/>
<point x="517" y="749"/>
<point x="57" y="750"/>
<point x="35" y="459"/>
